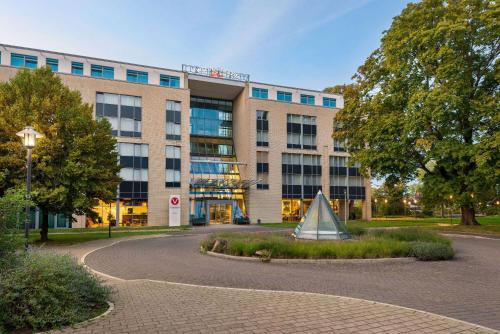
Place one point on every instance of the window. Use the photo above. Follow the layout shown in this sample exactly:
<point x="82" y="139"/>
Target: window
<point x="137" y="76"/>
<point x="134" y="172"/>
<point x="211" y="149"/>
<point x="301" y="175"/>
<point x="339" y="145"/>
<point x="306" y="99"/>
<point x="262" y="128"/>
<point x="102" y="71"/>
<point x="262" y="170"/>
<point x="345" y="182"/>
<point x="284" y="96"/>
<point x="53" y="64"/>
<point x="169" y="81"/>
<point x="173" y="120"/>
<point x="211" y="117"/>
<point x="260" y="93"/>
<point x="329" y="102"/>
<point x="76" y="68"/>
<point x="301" y="132"/>
<point x="122" y="111"/>
<point x="19" y="60"/>
<point x="173" y="167"/>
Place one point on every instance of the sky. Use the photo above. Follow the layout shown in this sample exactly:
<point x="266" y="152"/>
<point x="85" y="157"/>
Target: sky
<point x="302" y="43"/>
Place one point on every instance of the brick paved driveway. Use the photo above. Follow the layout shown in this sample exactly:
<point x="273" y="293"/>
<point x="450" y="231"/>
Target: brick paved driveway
<point x="466" y="289"/>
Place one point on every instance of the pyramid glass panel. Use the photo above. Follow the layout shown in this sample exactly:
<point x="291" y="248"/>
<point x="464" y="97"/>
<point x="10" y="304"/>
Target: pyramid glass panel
<point x="321" y="223"/>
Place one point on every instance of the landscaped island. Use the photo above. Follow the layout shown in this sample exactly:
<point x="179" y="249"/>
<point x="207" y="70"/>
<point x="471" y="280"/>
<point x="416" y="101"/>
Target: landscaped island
<point x="374" y="244"/>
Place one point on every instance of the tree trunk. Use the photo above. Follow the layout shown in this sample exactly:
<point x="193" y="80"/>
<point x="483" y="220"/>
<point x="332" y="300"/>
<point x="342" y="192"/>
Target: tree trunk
<point x="44" y="230"/>
<point x="468" y="215"/>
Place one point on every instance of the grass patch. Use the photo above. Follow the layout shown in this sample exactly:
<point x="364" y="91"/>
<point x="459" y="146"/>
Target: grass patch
<point x="380" y="244"/>
<point x="58" y="237"/>
<point x="490" y="225"/>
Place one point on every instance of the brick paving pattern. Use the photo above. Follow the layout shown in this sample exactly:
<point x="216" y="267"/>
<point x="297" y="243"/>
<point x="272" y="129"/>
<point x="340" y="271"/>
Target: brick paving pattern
<point x="466" y="289"/>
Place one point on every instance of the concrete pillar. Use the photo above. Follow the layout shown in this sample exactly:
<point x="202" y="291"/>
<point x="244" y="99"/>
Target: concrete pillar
<point x="343" y="209"/>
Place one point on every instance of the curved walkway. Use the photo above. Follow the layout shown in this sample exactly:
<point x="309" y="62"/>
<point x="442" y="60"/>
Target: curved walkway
<point x="466" y="289"/>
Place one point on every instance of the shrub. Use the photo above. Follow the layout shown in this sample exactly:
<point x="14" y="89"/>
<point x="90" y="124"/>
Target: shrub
<point x="410" y="234"/>
<point x="48" y="290"/>
<point x="431" y="251"/>
<point x="12" y="206"/>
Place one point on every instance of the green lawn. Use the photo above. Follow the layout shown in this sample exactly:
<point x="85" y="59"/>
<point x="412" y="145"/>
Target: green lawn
<point x="489" y="225"/>
<point x="77" y="235"/>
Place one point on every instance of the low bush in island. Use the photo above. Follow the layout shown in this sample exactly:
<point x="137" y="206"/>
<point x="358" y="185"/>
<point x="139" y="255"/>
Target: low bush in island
<point x="423" y="245"/>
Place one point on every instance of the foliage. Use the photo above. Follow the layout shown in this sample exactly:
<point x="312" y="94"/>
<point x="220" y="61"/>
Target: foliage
<point x="75" y="164"/>
<point x="394" y="193"/>
<point x="411" y="234"/>
<point x="431" y="251"/>
<point x="426" y="101"/>
<point x="379" y="244"/>
<point x="12" y="206"/>
<point x="47" y="290"/>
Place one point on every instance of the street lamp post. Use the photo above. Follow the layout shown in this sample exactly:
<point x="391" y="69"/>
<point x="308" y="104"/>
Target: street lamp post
<point x="415" y="202"/>
<point x="375" y="200"/>
<point x="29" y="137"/>
<point x="404" y="207"/>
<point x="451" y="209"/>
<point x="385" y="208"/>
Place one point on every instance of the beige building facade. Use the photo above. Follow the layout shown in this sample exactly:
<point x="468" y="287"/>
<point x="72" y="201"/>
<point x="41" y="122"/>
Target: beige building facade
<point x="231" y="150"/>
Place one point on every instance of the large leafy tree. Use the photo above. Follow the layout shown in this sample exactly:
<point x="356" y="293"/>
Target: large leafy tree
<point x="75" y="164"/>
<point x="427" y="101"/>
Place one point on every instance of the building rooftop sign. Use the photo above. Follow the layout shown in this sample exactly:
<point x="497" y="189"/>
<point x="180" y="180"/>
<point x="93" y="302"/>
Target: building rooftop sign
<point x="215" y="72"/>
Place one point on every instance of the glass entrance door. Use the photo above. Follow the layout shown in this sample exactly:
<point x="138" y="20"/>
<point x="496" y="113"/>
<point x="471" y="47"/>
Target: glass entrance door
<point x="221" y="213"/>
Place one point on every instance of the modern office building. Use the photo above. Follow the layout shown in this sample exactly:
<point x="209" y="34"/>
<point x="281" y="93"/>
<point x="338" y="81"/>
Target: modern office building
<point x="225" y="145"/>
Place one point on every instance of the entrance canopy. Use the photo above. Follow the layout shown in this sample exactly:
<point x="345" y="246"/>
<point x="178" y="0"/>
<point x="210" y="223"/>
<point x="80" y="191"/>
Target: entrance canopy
<point x="321" y="223"/>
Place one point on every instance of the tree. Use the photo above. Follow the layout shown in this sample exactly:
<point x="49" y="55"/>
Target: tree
<point x="75" y="164"/>
<point x="426" y="101"/>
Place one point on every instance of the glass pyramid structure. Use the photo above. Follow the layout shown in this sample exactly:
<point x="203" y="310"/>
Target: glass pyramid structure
<point x="321" y="223"/>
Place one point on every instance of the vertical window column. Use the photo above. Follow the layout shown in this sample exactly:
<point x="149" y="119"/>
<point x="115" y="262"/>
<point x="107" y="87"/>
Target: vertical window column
<point x="134" y="172"/>
<point x="338" y="177"/>
<point x="309" y="132"/>
<point x="291" y="169"/>
<point x="312" y="175"/>
<point x="294" y="131"/>
<point x="173" y="120"/>
<point x="173" y="167"/>
<point x="262" y="128"/>
<point x="262" y="170"/>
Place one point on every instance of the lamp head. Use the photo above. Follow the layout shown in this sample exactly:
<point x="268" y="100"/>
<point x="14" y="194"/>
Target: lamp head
<point x="29" y="136"/>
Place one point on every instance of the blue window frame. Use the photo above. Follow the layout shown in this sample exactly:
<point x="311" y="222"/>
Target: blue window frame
<point x="170" y="81"/>
<point x="329" y="102"/>
<point x="19" y="60"/>
<point x="260" y="93"/>
<point x="102" y="71"/>
<point x="53" y="64"/>
<point x="137" y="76"/>
<point x="284" y="96"/>
<point x="306" y="99"/>
<point x="76" y="68"/>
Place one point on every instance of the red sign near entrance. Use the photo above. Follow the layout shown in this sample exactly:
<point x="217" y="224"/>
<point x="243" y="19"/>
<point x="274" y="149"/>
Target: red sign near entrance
<point x="174" y="200"/>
